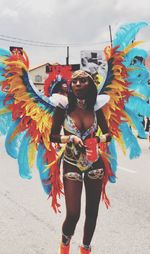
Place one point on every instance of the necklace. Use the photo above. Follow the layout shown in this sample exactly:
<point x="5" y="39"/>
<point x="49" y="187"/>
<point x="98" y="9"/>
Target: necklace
<point x="81" y="103"/>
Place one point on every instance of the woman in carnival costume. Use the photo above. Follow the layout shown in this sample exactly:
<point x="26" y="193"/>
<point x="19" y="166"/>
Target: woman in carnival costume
<point x="32" y="122"/>
<point x="80" y="117"/>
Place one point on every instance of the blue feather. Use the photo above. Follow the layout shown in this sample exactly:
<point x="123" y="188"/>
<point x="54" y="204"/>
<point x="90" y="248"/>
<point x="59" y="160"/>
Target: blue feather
<point x="2" y="78"/>
<point x="44" y="175"/>
<point x="24" y="169"/>
<point x="6" y="118"/>
<point x="4" y="52"/>
<point x="134" y="53"/>
<point x="137" y="123"/>
<point x="138" y="73"/>
<point x="138" y="106"/>
<point x="113" y="160"/>
<point x="2" y="95"/>
<point x="126" y="34"/>
<point x="143" y="89"/>
<point x="2" y="66"/>
<point x="12" y="147"/>
<point x="130" y="141"/>
<point x="5" y="121"/>
<point x="2" y="71"/>
<point x="2" y="98"/>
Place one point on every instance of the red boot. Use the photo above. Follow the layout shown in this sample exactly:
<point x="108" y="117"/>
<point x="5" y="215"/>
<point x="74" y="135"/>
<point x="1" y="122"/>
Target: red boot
<point x="64" y="249"/>
<point x="84" y="251"/>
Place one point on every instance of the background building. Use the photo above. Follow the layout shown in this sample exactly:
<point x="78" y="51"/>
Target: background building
<point x="38" y="75"/>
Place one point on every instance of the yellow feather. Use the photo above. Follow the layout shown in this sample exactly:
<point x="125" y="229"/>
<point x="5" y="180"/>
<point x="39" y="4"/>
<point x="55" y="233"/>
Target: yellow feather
<point x="58" y="156"/>
<point x="14" y="134"/>
<point x="17" y="64"/>
<point x="120" y="141"/>
<point x="132" y="45"/>
<point x="142" y="96"/>
<point x="4" y="111"/>
<point x="45" y="122"/>
<point x="46" y="141"/>
<point x="31" y="154"/>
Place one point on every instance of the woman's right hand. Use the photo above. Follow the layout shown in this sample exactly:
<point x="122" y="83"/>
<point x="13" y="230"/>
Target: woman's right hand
<point x="77" y="141"/>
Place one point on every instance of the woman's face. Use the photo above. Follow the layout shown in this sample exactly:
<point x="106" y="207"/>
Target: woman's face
<point x="64" y="87"/>
<point x="80" y="87"/>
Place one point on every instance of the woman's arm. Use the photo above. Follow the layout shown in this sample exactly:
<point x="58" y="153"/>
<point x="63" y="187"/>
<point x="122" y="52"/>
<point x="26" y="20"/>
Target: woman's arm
<point x="106" y="137"/>
<point x="58" y="119"/>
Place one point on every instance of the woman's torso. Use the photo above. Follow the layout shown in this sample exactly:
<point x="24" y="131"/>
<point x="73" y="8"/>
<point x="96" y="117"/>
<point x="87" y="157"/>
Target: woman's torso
<point x="82" y="124"/>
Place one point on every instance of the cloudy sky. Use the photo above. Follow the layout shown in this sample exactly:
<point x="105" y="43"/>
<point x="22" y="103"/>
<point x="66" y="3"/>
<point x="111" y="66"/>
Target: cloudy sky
<point x="47" y="27"/>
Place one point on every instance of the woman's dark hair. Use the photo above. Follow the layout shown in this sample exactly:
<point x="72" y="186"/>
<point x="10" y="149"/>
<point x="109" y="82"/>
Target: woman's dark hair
<point x="90" y="99"/>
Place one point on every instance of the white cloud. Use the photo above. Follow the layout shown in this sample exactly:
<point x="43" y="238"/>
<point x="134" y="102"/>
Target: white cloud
<point x="67" y="21"/>
<point x="8" y="13"/>
<point x="132" y="6"/>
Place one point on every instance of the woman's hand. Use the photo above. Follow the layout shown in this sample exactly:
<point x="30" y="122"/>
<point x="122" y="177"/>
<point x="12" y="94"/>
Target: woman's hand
<point x="77" y="141"/>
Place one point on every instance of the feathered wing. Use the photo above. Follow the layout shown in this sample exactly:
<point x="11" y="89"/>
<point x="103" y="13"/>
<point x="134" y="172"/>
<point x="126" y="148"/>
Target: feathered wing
<point x="26" y="117"/>
<point x="127" y="85"/>
<point x="26" y="120"/>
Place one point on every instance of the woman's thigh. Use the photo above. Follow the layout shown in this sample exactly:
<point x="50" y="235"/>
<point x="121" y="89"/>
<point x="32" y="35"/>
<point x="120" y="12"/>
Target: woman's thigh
<point x="93" y="186"/>
<point x="72" y="187"/>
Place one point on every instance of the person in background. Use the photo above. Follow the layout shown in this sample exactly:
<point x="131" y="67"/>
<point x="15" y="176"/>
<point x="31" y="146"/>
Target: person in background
<point x="60" y="87"/>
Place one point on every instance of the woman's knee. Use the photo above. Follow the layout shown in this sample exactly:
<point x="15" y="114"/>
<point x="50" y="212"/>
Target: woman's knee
<point x="73" y="217"/>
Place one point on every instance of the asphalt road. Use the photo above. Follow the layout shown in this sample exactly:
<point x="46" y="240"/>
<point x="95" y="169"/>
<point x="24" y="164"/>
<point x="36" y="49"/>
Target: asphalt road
<point x="28" y="225"/>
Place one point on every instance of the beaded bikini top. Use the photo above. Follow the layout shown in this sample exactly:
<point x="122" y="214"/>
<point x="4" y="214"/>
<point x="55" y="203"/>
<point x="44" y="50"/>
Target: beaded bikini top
<point x="70" y="126"/>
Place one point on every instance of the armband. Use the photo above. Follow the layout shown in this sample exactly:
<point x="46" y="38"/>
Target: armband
<point x="103" y="138"/>
<point x="71" y="139"/>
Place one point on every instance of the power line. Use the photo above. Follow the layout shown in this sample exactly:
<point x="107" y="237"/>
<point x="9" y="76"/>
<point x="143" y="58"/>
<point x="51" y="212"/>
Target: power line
<point x="31" y="44"/>
<point x="34" y="42"/>
<point x="46" y="44"/>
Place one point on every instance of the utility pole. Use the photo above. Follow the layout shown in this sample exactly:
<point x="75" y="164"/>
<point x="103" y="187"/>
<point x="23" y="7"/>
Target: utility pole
<point x="110" y="35"/>
<point x="67" y="58"/>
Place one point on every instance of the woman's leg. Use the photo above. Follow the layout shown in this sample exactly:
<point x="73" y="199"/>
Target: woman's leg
<point x="93" y="187"/>
<point x="72" y="191"/>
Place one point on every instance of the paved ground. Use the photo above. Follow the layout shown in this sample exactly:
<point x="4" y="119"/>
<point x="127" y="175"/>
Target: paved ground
<point x="29" y="226"/>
